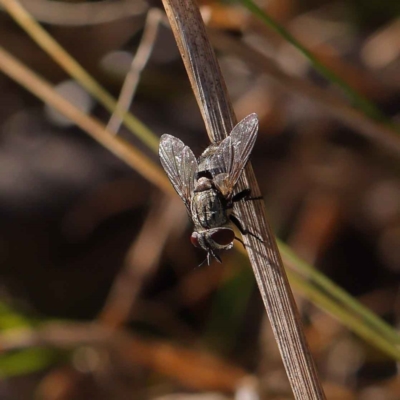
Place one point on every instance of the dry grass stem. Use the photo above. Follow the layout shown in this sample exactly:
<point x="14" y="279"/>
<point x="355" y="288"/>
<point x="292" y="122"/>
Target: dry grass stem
<point x="210" y="90"/>
<point x="72" y="67"/>
<point x="153" y="19"/>
<point x="122" y="149"/>
<point x="217" y="113"/>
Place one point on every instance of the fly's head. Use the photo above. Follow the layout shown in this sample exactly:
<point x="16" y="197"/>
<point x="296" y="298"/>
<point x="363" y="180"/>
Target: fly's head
<point x="213" y="240"/>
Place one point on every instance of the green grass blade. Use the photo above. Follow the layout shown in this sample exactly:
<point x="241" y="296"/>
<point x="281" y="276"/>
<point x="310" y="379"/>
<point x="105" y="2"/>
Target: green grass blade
<point x="342" y="298"/>
<point x="346" y="316"/>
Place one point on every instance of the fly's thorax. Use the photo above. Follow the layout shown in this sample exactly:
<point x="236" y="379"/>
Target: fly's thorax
<point x="203" y="184"/>
<point x="213" y="239"/>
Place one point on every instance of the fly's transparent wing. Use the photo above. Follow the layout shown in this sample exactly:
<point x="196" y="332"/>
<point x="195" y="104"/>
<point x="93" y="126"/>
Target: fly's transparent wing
<point x="180" y="165"/>
<point x="234" y="151"/>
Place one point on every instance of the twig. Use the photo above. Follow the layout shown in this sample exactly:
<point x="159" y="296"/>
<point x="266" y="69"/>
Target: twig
<point x="210" y="91"/>
<point x="139" y="61"/>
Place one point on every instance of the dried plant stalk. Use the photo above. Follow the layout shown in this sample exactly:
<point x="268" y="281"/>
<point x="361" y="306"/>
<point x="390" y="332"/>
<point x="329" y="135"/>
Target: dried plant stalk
<point x="141" y="58"/>
<point x="45" y="91"/>
<point x="211" y="95"/>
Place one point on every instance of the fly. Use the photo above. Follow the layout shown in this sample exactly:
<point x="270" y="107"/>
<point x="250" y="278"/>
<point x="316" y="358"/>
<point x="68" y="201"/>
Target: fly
<point x="206" y="185"/>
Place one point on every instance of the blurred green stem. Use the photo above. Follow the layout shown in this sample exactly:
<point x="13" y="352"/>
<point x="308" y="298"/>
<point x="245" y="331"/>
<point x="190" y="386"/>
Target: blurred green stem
<point x="347" y="303"/>
<point x="354" y="321"/>
<point x="358" y="100"/>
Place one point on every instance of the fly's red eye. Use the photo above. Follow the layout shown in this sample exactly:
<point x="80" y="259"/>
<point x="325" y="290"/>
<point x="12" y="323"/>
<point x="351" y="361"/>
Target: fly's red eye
<point x="223" y="236"/>
<point x="194" y="238"/>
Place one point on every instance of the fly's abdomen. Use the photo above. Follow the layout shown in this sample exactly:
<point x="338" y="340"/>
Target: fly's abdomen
<point x="208" y="210"/>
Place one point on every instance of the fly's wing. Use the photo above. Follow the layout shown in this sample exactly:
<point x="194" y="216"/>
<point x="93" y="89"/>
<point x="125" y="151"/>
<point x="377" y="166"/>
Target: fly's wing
<point x="234" y="151"/>
<point x="180" y="165"/>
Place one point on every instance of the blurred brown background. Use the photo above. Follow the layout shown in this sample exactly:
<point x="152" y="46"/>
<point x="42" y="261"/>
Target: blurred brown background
<point x="85" y="238"/>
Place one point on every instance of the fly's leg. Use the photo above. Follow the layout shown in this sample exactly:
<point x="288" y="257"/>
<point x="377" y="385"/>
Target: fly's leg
<point x="244" y="195"/>
<point x="216" y="256"/>
<point x="203" y="262"/>
<point x="241" y="241"/>
<point x="243" y="231"/>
